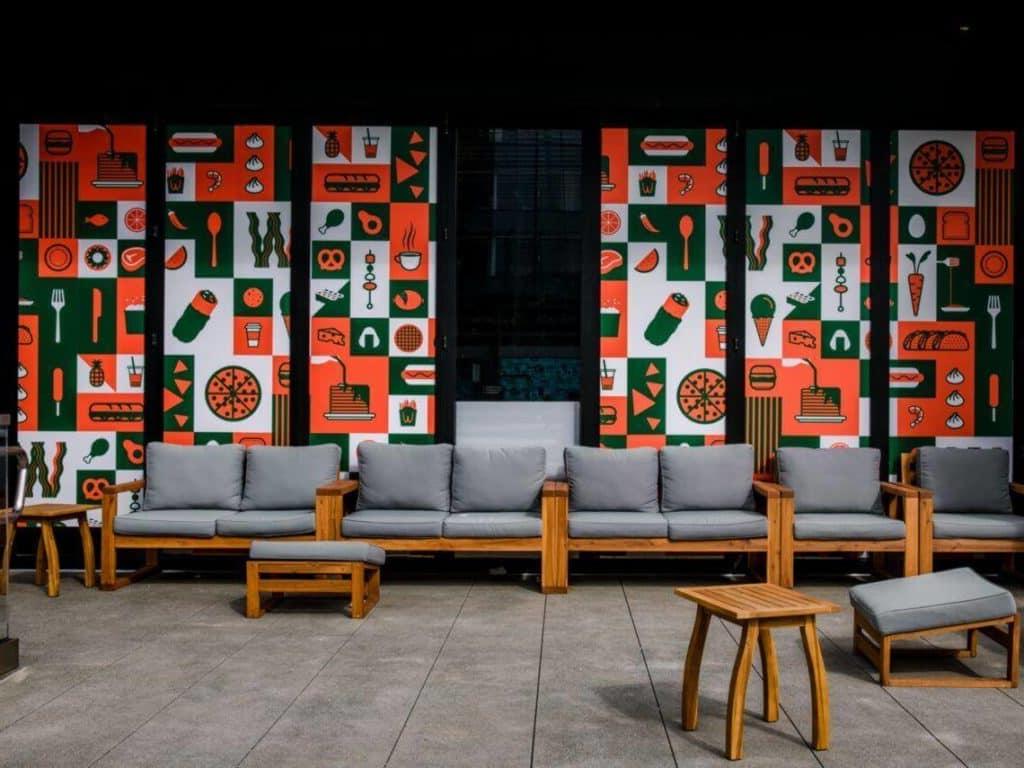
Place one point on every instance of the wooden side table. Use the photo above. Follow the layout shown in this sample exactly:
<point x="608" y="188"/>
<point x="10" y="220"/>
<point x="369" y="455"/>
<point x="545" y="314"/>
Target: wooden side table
<point x="47" y="562"/>
<point x="757" y="609"/>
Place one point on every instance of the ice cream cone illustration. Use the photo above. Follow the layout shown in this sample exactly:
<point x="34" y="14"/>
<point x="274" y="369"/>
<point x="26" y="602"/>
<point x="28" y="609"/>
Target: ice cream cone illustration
<point x="285" y="305"/>
<point x="762" y="308"/>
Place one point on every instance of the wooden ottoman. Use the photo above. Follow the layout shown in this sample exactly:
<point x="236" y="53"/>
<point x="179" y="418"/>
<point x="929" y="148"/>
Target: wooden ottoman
<point x="931" y="604"/>
<point x="313" y="567"/>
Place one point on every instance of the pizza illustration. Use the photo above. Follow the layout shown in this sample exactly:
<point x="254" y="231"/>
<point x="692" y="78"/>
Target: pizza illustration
<point x="233" y="393"/>
<point x="936" y="167"/>
<point x="701" y="396"/>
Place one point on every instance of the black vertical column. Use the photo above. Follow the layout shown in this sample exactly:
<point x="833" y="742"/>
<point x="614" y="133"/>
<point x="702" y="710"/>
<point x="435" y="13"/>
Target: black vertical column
<point x="156" y="215"/>
<point x="880" y="259"/>
<point x="446" y="334"/>
<point x="302" y="191"/>
<point x="590" y="287"/>
<point x="1018" y="306"/>
<point x="735" y="284"/>
<point x="9" y="295"/>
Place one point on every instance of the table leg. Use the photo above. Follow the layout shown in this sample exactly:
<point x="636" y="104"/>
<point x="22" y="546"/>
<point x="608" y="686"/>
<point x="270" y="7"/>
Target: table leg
<point x="40" y="577"/>
<point x="738" y="690"/>
<point x="88" y="554"/>
<point x="770" y="675"/>
<point x="691" y="669"/>
<point x="52" y="560"/>
<point x="819" y="685"/>
<point x="5" y="567"/>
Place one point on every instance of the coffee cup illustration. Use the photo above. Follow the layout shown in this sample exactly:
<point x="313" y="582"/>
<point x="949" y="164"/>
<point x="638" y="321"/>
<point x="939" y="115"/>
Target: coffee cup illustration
<point x="253" y="332"/>
<point x="409" y="260"/>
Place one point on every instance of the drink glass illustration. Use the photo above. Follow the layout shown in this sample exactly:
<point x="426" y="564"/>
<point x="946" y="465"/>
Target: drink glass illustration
<point x="723" y="339"/>
<point x="607" y="377"/>
<point x="840" y="147"/>
<point x="253" y="332"/>
<point x="370" y="144"/>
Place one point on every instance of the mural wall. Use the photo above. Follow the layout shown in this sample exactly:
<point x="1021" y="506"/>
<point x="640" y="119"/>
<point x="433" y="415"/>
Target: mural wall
<point x="372" y="302"/>
<point x="951" y="290"/>
<point x="663" y="335"/>
<point x="81" y="304"/>
<point x="227" y="296"/>
<point x="807" y="216"/>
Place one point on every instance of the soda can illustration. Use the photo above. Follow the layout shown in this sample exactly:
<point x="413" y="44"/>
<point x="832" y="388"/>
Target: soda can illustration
<point x="195" y="316"/>
<point x="666" y="319"/>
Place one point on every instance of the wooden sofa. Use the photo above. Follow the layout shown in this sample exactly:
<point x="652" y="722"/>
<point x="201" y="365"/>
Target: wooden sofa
<point x="832" y="501"/>
<point x="708" y="504"/>
<point x="220" y="498"/>
<point x="440" y="498"/>
<point x="966" y="501"/>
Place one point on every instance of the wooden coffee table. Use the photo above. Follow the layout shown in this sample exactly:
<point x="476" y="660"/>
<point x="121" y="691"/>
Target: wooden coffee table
<point x="757" y="609"/>
<point x="47" y="562"/>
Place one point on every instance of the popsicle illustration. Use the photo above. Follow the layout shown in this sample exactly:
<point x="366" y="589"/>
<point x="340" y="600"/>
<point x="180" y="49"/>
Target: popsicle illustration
<point x="58" y="387"/>
<point x="764" y="163"/>
<point x="993" y="393"/>
<point x="666" y="319"/>
<point x="195" y="316"/>
<point x="762" y="309"/>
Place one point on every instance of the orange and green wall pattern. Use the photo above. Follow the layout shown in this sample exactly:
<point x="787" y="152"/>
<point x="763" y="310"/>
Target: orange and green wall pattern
<point x="951" y="289"/>
<point x="81" y="307"/>
<point x="227" y="296"/>
<point x="372" y="294"/>
<point x="662" y="264"/>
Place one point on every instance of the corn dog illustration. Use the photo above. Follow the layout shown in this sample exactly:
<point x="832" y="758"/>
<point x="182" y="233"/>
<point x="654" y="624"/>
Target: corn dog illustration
<point x="58" y="387"/>
<point x="993" y="393"/>
<point x="764" y="163"/>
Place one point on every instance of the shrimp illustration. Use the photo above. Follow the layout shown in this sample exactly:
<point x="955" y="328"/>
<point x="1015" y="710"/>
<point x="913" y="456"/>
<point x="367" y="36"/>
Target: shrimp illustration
<point x="216" y="179"/>
<point x="917" y="412"/>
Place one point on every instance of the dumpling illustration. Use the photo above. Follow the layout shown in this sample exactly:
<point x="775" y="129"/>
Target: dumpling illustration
<point x="254" y="186"/>
<point x="955" y="399"/>
<point x="254" y="141"/>
<point x="254" y="163"/>
<point x="955" y="376"/>
<point x="955" y="422"/>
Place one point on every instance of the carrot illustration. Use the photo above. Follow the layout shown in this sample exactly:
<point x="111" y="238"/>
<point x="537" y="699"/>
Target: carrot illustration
<point x="915" y="281"/>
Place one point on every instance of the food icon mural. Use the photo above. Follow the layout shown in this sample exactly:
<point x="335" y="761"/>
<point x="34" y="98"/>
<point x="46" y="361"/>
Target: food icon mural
<point x="227" y="260"/>
<point x="373" y="267"/>
<point x="951" y="289"/>
<point x="81" y="307"/>
<point x="808" y="315"/>
<point x="662" y="265"/>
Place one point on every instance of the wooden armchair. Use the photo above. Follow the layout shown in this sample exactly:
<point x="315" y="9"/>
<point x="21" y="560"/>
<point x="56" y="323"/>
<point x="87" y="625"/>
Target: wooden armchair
<point x="844" y="527"/>
<point x="966" y="522"/>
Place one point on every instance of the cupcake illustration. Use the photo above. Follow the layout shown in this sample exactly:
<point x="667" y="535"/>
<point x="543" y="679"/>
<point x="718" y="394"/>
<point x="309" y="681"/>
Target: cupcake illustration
<point x="762" y="309"/>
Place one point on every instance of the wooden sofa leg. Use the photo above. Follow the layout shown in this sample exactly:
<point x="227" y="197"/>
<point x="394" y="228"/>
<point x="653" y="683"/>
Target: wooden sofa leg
<point x="554" y="555"/>
<point x="253" y="608"/>
<point x="358" y="587"/>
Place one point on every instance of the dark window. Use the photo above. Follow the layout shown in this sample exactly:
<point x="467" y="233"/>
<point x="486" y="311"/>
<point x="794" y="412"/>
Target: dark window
<point x="518" y="264"/>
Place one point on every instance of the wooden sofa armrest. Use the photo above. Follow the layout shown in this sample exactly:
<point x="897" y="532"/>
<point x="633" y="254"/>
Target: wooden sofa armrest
<point x="1017" y="489"/>
<point x="902" y="490"/>
<point x="132" y="485"/>
<point x="772" y="490"/>
<point x="555" y="489"/>
<point x="330" y="507"/>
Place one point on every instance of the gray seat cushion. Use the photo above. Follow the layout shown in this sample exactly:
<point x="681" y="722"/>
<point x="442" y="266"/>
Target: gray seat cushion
<point x="268" y="522"/>
<point x="978" y="525"/>
<point x="848" y="525"/>
<point x="287" y="477"/>
<point x="191" y="523"/>
<point x="387" y="523"/>
<point x="497" y="479"/>
<point x="617" y="525"/>
<point x="932" y="600"/>
<point x="707" y="477"/>
<point x="193" y="476"/>
<point x="404" y="476"/>
<point x="966" y="479"/>
<point x="322" y="551"/>
<point x="832" y="479"/>
<point x="492" y="525"/>
<point x="614" y="480"/>
<point x="715" y="524"/>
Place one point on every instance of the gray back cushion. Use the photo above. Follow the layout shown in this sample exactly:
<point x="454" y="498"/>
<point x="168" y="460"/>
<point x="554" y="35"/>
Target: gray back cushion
<point x="612" y="479"/>
<point x="194" y="476"/>
<point x="702" y="477"/>
<point x="497" y="479"/>
<point x="404" y="476"/>
<point x="832" y="479"/>
<point x="287" y="477"/>
<point x="966" y="479"/>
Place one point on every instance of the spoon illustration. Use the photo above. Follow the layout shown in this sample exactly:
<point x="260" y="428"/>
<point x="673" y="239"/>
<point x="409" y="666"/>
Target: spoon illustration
<point x="686" y="229"/>
<point x="213" y="224"/>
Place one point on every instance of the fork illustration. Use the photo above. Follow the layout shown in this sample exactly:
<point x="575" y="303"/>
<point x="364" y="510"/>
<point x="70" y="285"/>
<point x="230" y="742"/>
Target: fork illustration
<point x="57" y="302"/>
<point x="994" y="308"/>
